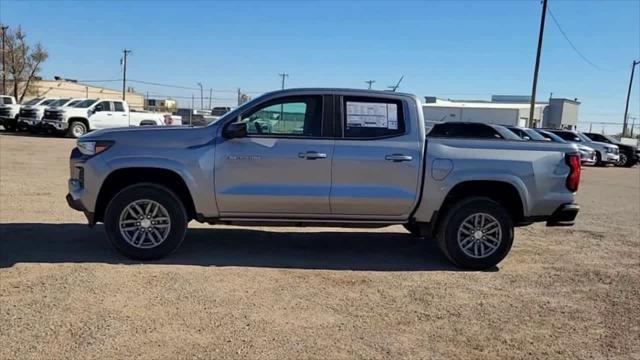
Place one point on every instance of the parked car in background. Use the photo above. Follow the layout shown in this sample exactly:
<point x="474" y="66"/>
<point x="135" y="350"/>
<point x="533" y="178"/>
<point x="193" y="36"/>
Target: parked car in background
<point x="587" y="154"/>
<point x="220" y="110"/>
<point x="9" y="110"/>
<point x="629" y="154"/>
<point x="31" y="113"/>
<point x="335" y="157"/>
<point x="526" y="133"/>
<point x="605" y="153"/>
<point x="472" y="131"/>
<point x="93" y="114"/>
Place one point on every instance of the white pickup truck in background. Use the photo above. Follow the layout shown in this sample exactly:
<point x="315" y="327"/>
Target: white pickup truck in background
<point x="9" y="110"/>
<point x="32" y="111"/>
<point x="93" y="114"/>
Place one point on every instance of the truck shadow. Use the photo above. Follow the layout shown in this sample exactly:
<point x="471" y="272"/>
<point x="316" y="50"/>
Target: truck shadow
<point x="360" y="251"/>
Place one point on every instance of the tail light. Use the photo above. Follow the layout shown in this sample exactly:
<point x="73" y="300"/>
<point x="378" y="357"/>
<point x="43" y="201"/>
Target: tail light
<point x="168" y="120"/>
<point x="573" y="180"/>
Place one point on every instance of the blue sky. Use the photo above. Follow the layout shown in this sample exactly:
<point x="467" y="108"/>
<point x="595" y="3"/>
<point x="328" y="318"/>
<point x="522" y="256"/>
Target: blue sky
<point x="456" y="49"/>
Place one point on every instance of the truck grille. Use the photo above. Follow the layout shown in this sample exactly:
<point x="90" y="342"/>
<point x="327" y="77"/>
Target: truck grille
<point x="4" y="112"/>
<point x="28" y="113"/>
<point x="52" y="115"/>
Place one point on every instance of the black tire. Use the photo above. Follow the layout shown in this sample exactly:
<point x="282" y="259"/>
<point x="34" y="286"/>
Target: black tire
<point x="146" y="191"/>
<point x="11" y="125"/>
<point x="79" y="126"/>
<point x="599" y="159"/>
<point x="452" y="221"/>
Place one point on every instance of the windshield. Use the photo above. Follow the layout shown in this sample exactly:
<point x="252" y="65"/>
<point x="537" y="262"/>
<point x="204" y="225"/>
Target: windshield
<point x="59" y="102"/>
<point x="86" y="103"/>
<point x="48" y="102"/>
<point x="6" y="100"/>
<point x="584" y="137"/>
<point x="506" y="133"/>
<point x="33" y="101"/>
<point x="550" y="136"/>
<point x="611" y="138"/>
<point x="534" y="135"/>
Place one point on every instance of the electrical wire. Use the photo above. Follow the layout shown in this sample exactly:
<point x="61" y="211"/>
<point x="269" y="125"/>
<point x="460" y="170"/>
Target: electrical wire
<point x="571" y="43"/>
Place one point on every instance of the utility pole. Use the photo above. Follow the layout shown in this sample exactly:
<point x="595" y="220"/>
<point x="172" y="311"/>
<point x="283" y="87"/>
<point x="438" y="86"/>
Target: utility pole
<point x="626" y="107"/>
<point x="370" y="82"/>
<point x="239" y="96"/>
<point x="124" y="72"/>
<point x="210" y="97"/>
<point x="201" y="97"/>
<point x="537" y="67"/>
<point x="283" y="75"/>
<point x="4" y="67"/>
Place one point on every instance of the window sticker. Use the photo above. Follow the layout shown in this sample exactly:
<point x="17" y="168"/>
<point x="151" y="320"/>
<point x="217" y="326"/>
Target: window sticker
<point x="376" y="115"/>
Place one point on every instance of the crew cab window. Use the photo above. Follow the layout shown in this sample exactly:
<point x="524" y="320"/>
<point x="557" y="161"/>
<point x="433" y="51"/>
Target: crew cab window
<point x="103" y="106"/>
<point x="117" y="105"/>
<point x="372" y="117"/>
<point x="597" y="137"/>
<point x="293" y="116"/>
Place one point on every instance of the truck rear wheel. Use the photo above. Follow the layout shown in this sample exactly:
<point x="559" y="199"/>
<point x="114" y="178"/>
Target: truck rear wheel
<point x="77" y="129"/>
<point x="476" y="233"/>
<point x="145" y="221"/>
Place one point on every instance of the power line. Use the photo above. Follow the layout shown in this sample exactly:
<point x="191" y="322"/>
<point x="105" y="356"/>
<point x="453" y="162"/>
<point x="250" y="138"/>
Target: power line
<point x="571" y="43"/>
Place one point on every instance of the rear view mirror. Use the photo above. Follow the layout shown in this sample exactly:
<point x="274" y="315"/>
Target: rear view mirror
<point x="235" y="130"/>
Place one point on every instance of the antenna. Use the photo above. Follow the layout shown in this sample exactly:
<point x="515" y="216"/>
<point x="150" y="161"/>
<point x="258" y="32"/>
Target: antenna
<point x="397" y="85"/>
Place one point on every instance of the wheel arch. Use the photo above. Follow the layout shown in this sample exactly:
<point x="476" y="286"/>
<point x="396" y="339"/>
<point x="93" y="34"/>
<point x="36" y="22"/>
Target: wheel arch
<point x="124" y="177"/>
<point x="80" y="119"/>
<point x="502" y="192"/>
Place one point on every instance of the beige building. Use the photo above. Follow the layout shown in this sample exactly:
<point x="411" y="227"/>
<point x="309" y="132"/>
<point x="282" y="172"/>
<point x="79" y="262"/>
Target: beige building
<point x="169" y="105"/>
<point x="72" y="89"/>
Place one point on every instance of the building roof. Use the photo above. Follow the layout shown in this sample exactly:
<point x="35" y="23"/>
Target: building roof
<point x="481" y="104"/>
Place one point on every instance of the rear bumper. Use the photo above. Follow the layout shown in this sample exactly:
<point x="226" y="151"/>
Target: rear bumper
<point x="564" y="215"/>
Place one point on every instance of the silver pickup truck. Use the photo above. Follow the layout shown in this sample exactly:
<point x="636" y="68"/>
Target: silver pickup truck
<point x="321" y="157"/>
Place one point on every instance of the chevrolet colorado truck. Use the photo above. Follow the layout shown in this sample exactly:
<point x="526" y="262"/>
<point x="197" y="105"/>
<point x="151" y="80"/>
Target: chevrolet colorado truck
<point x="321" y="157"/>
<point x="93" y="114"/>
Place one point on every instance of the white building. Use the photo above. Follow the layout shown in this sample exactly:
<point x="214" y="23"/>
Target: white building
<point x="502" y="110"/>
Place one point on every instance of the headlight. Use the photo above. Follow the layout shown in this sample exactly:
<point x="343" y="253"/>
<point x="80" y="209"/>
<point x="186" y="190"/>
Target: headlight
<point x="611" y="150"/>
<point x="93" y="147"/>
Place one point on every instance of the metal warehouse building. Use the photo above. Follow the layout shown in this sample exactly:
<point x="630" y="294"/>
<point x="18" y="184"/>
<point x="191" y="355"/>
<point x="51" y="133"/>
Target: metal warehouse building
<point x="503" y="110"/>
<point x="61" y="88"/>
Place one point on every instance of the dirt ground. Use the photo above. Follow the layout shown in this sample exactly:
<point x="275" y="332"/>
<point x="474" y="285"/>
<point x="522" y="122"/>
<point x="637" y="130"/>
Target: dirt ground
<point x="281" y="293"/>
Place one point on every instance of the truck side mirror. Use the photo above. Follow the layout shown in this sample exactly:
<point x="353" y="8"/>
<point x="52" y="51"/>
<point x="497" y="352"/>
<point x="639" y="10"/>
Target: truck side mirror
<point x="235" y="130"/>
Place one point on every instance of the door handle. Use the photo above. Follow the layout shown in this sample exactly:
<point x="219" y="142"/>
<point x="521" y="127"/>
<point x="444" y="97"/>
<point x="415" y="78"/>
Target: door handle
<point x="398" y="157"/>
<point x="312" y="155"/>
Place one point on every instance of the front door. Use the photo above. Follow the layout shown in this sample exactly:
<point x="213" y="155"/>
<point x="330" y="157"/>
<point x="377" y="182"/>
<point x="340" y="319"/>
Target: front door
<point x="282" y="167"/>
<point x="102" y="116"/>
<point x="377" y="162"/>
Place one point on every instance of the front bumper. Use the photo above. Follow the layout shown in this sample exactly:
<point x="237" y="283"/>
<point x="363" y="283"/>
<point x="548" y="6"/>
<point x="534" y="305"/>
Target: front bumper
<point x="610" y="158"/>
<point x="55" y="125"/>
<point x="76" y="204"/>
<point x="28" y="123"/>
<point x="565" y="215"/>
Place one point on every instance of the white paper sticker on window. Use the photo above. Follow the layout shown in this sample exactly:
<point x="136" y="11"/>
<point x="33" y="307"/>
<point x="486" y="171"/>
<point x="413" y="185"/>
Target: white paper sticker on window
<point x="377" y="115"/>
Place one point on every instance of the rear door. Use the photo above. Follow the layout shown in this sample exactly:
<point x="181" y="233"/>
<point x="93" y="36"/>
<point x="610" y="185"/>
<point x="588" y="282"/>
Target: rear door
<point x="377" y="159"/>
<point x="282" y="168"/>
<point x="120" y="116"/>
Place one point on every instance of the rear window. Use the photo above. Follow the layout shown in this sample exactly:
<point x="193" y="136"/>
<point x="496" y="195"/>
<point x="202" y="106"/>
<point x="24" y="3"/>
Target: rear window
<point x="370" y="118"/>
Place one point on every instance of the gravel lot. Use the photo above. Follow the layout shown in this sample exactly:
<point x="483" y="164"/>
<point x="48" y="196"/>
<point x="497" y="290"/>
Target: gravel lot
<point x="309" y="293"/>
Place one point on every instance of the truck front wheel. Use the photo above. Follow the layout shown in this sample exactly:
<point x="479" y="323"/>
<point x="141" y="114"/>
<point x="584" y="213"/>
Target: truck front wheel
<point x="77" y="129"/>
<point x="145" y="221"/>
<point x="476" y="233"/>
